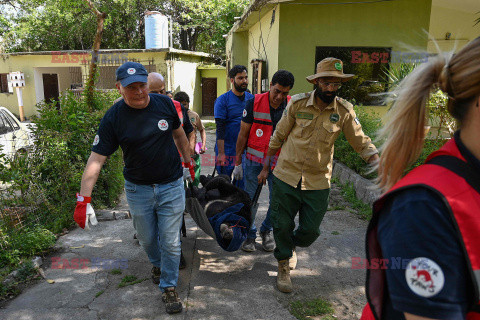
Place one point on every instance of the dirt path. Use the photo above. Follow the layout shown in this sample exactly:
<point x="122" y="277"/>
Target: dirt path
<point x="215" y="285"/>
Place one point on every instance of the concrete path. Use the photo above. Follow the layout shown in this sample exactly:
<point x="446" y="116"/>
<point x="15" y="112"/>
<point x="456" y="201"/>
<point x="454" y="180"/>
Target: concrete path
<point x="215" y="285"/>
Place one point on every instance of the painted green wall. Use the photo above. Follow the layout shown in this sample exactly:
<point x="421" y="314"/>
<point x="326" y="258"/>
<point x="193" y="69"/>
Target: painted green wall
<point x="263" y="42"/>
<point x="383" y="24"/>
<point x="221" y="75"/>
<point x="238" y="49"/>
<point x="459" y="22"/>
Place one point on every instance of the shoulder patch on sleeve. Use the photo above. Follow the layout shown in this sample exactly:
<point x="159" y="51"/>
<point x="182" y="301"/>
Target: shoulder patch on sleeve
<point x="424" y="277"/>
<point x="344" y="103"/>
<point x="300" y="96"/>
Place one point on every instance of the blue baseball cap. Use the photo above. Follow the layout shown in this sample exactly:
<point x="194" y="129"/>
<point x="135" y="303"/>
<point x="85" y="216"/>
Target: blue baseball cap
<point x="131" y="72"/>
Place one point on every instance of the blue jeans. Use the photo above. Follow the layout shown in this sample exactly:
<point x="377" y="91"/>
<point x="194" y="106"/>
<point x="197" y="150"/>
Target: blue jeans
<point x="250" y="173"/>
<point x="157" y="212"/>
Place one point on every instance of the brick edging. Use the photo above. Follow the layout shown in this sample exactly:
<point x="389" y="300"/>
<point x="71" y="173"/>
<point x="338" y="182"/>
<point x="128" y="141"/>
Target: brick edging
<point x="365" y="190"/>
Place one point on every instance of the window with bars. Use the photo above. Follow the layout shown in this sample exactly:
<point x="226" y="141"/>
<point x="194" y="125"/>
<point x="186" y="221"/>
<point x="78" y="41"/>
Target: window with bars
<point x="258" y="75"/>
<point x="368" y="64"/>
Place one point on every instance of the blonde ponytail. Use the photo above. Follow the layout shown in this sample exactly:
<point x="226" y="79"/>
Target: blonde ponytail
<point x="404" y="130"/>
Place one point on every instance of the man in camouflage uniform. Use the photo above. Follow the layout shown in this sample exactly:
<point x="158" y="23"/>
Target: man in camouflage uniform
<point x="306" y="134"/>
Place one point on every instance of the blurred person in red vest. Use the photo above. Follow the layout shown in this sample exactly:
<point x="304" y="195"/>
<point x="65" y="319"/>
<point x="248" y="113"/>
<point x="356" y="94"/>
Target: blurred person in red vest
<point x="431" y="217"/>
<point x="260" y="117"/>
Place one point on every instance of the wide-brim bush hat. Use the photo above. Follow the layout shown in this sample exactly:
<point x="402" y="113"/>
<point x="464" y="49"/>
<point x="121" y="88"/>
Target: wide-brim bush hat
<point x="330" y="67"/>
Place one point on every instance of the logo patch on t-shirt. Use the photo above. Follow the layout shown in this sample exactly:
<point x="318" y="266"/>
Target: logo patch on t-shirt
<point x="163" y="125"/>
<point x="244" y="113"/>
<point x="259" y="132"/>
<point x="131" y="71"/>
<point x="424" y="277"/>
<point x="96" y="140"/>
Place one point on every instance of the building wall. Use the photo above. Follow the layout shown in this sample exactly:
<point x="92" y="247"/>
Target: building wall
<point x="237" y="49"/>
<point x="263" y="42"/>
<point x="63" y="79"/>
<point x="383" y="24"/>
<point x="179" y="68"/>
<point x="26" y="65"/>
<point x="222" y="78"/>
<point x="458" y="22"/>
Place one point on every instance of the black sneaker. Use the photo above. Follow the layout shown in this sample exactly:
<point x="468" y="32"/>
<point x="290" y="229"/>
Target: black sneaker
<point x="156" y="272"/>
<point x="183" y="263"/>
<point x="173" y="304"/>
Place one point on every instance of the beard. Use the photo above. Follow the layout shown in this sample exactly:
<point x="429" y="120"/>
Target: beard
<point x="325" y="96"/>
<point x="240" y="88"/>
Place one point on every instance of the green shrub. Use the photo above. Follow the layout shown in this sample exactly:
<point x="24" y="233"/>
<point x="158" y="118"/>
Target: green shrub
<point x="371" y="123"/>
<point x="345" y="153"/>
<point x="40" y="199"/>
<point x="438" y="116"/>
<point x="24" y="243"/>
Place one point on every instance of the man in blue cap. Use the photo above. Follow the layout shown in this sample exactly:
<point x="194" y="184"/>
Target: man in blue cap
<point x="147" y="128"/>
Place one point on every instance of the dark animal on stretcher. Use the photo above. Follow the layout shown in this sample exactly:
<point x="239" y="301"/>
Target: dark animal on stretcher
<point x="217" y="194"/>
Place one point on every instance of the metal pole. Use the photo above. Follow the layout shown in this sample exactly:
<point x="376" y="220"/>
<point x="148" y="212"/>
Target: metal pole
<point x="171" y="34"/>
<point x="20" y="103"/>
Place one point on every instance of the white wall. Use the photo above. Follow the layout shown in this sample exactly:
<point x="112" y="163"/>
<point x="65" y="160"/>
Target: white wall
<point x="63" y="80"/>
<point x="184" y="78"/>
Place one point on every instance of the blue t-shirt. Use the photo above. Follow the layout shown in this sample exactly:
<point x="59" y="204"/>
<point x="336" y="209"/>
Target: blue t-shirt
<point x="229" y="107"/>
<point x="145" y="136"/>
<point x="416" y="223"/>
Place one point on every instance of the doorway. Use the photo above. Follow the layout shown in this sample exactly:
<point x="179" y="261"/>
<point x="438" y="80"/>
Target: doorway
<point x="209" y="95"/>
<point x="50" y="87"/>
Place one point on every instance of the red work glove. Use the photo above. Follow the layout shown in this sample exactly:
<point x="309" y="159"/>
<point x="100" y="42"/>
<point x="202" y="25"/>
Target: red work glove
<point x="190" y="174"/>
<point x="84" y="212"/>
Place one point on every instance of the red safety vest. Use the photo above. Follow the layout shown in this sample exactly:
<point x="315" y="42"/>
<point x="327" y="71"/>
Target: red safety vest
<point x="178" y="107"/>
<point x="464" y="204"/>
<point x="261" y="130"/>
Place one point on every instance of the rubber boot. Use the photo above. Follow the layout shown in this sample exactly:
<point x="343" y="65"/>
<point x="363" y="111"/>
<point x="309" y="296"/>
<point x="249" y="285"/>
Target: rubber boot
<point x="284" y="284"/>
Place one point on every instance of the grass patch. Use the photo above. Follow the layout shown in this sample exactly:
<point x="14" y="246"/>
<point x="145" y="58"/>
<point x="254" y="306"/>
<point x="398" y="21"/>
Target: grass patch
<point x="116" y="271"/>
<point x="363" y="210"/>
<point x="26" y="273"/>
<point x="335" y="233"/>
<point x="210" y="125"/>
<point x="129" y="280"/>
<point x="303" y="310"/>
<point x="337" y="208"/>
<point x="99" y="293"/>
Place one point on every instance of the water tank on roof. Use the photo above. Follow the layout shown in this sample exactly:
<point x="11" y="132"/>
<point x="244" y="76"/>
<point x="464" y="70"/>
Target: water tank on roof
<point x="156" y="30"/>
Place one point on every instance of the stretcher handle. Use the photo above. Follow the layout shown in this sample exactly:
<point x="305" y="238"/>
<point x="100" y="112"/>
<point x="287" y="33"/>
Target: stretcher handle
<point x="257" y="194"/>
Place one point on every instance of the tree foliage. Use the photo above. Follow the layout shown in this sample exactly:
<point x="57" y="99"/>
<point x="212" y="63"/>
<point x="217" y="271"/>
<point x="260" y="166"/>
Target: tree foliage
<point x="50" y="25"/>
